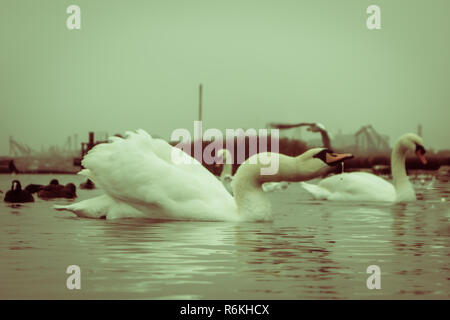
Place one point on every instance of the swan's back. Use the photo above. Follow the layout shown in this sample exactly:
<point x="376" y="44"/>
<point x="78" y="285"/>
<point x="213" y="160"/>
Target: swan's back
<point x="139" y="170"/>
<point x="357" y="186"/>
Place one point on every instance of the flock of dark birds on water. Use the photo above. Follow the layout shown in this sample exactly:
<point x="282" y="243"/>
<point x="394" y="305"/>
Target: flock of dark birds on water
<point x="50" y="191"/>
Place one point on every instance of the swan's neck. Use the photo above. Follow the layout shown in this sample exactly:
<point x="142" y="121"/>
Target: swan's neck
<point x="403" y="188"/>
<point x="398" y="169"/>
<point x="247" y="183"/>
<point x="294" y="169"/>
<point x="226" y="170"/>
<point x="248" y="195"/>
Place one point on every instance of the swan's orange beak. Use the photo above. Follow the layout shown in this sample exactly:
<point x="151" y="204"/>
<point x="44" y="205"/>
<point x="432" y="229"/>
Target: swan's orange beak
<point x="335" y="158"/>
<point x="421" y="156"/>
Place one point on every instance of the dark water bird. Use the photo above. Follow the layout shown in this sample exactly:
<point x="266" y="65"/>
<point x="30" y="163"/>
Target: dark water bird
<point x="17" y="195"/>
<point x="56" y="190"/>
<point x="87" y="185"/>
<point x="33" y="188"/>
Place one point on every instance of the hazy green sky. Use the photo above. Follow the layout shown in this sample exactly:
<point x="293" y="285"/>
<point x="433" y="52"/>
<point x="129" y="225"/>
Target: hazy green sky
<point x="137" y="64"/>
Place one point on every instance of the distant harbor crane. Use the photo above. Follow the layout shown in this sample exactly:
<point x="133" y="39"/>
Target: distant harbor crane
<point x="17" y="149"/>
<point x="368" y="139"/>
<point x="313" y="127"/>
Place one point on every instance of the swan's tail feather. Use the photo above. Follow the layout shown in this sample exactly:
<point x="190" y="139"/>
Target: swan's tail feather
<point x="101" y="207"/>
<point x="78" y="213"/>
<point x="95" y="208"/>
<point x="317" y="192"/>
<point x="82" y="211"/>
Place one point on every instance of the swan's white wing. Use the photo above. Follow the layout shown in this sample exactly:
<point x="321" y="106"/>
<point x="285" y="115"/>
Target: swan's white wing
<point x="102" y="207"/>
<point x="139" y="170"/>
<point x="356" y="186"/>
<point x="316" y="191"/>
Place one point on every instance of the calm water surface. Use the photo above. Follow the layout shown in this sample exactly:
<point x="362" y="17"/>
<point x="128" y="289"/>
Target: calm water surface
<point x="312" y="250"/>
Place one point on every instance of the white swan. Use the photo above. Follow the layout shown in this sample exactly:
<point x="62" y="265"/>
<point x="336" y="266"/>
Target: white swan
<point x="362" y="186"/>
<point x="226" y="176"/>
<point x="140" y="178"/>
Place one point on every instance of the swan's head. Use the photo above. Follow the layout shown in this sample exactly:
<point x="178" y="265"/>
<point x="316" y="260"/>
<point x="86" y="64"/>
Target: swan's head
<point x="319" y="160"/>
<point x="412" y="142"/>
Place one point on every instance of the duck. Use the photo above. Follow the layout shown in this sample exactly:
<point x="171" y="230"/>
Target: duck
<point x="33" y="188"/>
<point x="17" y="195"/>
<point x="87" y="185"/>
<point x="364" y="186"/>
<point x="56" y="190"/>
<point x="145" y="177"/>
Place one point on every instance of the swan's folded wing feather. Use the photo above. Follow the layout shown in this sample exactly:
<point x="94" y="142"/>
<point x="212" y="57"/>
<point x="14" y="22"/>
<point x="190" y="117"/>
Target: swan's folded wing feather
<point x="140" y="171"/>
<point x="358" y="186"/>
<point x="316" y="191"/>
<point x="101" y="207"/>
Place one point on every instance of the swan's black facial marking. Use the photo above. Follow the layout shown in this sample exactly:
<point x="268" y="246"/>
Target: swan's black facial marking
<point x="420" y="152"/>
<point x="420" y="148"/>
<point x="322" y="155"/>
<point x="331" y="158"/>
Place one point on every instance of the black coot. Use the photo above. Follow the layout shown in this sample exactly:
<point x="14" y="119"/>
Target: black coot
<point x="87" y="185"/>
<point x="56" y="190"/>
<point x="33" y="188"/>
<point x="17" y="195"/>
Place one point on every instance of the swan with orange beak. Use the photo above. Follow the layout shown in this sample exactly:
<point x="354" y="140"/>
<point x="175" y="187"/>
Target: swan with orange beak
<point x="363" y="186"/>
